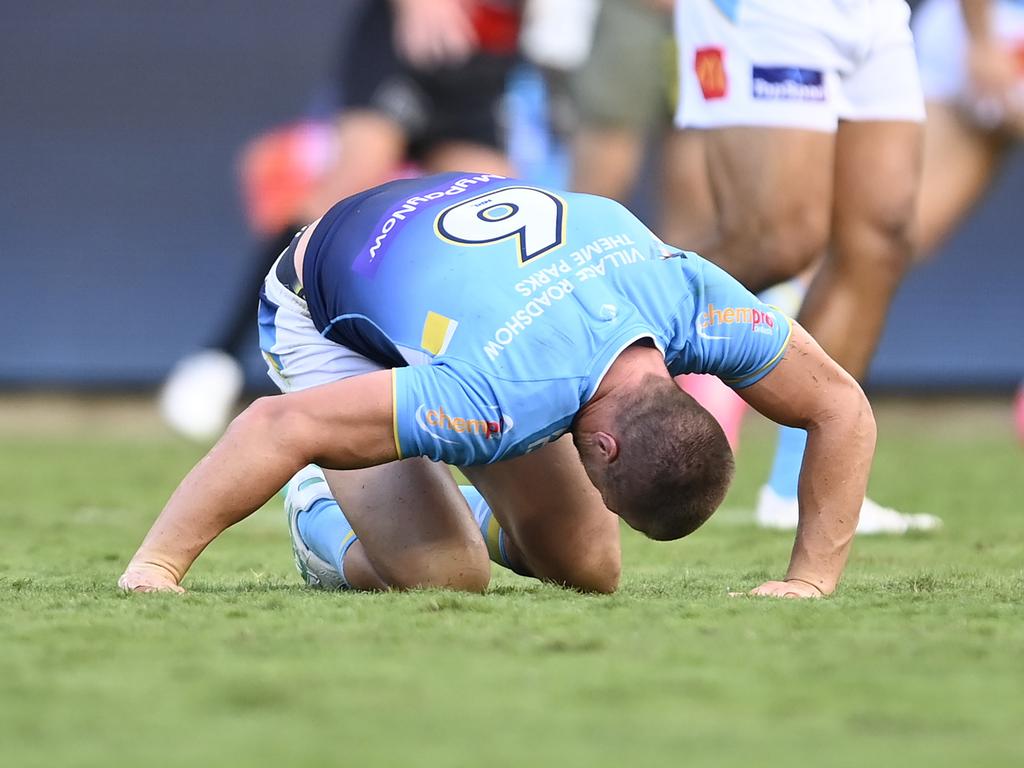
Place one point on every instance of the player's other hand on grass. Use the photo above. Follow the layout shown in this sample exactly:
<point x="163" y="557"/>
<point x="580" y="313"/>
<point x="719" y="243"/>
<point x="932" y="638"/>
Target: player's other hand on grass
<point x="793" y="588"/>
<point x="148" y="577"/>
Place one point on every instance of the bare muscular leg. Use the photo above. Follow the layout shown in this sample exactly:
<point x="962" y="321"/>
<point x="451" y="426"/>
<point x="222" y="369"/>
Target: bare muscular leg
<point x="959" y="163"/>
<point x="414" y="528"/>
<point x="878" y="167"/>
<point x="773" y="194"/>
<point x="558" y="527"/>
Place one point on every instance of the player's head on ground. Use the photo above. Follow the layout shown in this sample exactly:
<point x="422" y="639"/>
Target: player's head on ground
<point x="660" y="460"/>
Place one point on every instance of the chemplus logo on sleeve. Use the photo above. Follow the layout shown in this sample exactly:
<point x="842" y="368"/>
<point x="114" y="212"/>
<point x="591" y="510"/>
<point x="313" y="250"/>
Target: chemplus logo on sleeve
<point x="788" y="84"/>
<point x="759" y="321"/>
<point x="435" y="421"/>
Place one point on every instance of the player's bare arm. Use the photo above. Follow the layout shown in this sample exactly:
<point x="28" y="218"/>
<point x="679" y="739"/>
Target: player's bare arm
<point x="810" y="390"/>
<point x="342" y="425"/>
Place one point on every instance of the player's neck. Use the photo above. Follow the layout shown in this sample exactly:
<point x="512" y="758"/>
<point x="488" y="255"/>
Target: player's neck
<point x="625" y="375"/>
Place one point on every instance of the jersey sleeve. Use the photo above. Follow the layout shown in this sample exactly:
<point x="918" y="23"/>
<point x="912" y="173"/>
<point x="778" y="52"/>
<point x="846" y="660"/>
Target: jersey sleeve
<point x="734" y="335"/>
<point x="441" y="415"/>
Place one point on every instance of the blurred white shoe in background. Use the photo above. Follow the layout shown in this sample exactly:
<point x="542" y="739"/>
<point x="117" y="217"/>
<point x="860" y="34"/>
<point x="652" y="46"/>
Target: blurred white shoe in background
<point x="200" y="393"/>
<point x="774" y="511"/>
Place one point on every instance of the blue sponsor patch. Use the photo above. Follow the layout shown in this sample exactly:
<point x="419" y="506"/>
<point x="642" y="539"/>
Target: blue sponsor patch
<point x="788" y="84"/>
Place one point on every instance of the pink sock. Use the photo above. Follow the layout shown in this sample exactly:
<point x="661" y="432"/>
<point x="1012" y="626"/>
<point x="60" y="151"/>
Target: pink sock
<point x="724" y="404"/>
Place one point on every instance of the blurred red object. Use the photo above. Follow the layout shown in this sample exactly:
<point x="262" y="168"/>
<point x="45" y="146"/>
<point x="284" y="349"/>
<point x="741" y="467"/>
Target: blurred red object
<point x="497" y="26"/>
<point x="279" y="169"/>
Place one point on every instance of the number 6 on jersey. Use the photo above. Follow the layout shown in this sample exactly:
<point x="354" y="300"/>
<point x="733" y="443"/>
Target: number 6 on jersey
<point x="534" y="217"/>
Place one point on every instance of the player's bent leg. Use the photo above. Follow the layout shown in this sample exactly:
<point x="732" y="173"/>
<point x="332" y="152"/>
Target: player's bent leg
<point x="959" y="162"/>
<point x="404" y="525"/>
<point x="877" y="175"/>
<point x="878" y="167"/>
<point x="770" y="228"/>
<point x="605" y="161"/>
<point x="558" y="528"/>
<point x="689" y="218"/>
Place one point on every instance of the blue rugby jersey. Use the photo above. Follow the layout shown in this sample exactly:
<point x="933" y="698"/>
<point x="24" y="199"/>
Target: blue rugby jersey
<point x="501" y="305"/>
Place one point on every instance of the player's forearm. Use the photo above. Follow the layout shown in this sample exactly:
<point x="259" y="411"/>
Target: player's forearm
<point x="247" y="466"/>
<point x="833" y="481"/>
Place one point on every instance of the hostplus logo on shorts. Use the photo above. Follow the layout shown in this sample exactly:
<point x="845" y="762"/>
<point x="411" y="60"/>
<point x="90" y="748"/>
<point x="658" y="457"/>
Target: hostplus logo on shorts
<point x="788" y="84"/>
<point x="760" y="321"/>
<point x="433" y="420"/>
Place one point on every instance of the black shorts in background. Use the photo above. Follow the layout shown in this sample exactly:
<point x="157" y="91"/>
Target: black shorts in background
<point x="456" y="103"/>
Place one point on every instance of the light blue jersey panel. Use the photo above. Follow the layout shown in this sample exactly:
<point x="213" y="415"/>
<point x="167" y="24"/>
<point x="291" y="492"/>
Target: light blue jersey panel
<point x="502" y="304"/>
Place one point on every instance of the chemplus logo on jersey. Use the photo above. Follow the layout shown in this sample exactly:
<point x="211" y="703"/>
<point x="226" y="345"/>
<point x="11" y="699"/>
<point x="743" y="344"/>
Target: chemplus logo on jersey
<point x="369" y="257"/>
<point x="760" y="321"/>
<point x="788" y="84"/>
<point x="433" y="420"/>
<point x="709" y="65"/>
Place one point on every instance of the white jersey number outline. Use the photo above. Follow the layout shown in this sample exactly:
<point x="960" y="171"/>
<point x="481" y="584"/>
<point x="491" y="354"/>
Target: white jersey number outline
<point x="534" y="217"/>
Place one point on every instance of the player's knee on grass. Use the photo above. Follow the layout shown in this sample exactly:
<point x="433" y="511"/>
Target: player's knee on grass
<point x="463" y="567"/>
<point x="596" y="569"/>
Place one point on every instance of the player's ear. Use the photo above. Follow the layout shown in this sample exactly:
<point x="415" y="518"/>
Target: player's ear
<point x="606" y="446"/>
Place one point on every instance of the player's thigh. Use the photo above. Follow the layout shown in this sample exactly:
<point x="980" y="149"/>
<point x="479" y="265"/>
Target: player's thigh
<point x="554" y="515"/>
<point x="768" y="177"/>
<point x="689" y="215"/>
<point x="412" y="520"/>
<point x="960" y="160"/>
<point x="772" y="190"/>
<point x="878" y="174"/>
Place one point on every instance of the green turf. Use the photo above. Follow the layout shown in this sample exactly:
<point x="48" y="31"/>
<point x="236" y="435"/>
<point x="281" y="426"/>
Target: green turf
<point x="918" y="661"/>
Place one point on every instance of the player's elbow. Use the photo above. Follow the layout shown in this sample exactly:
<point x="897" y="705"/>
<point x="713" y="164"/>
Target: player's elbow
<point x="273" y="422"/>
<point x="854" y="411"/>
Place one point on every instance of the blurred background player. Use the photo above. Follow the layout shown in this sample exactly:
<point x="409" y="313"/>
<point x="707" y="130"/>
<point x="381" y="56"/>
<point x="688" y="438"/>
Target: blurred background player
<point x="810" y="113"/>
<point x="971" y="54"/>
<point x="419" y="82"/>
<point x="623" y="95"/>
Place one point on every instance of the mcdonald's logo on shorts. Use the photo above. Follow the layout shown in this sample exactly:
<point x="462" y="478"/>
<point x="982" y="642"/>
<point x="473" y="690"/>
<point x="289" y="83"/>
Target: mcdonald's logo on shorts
<point x="709" y="65"/>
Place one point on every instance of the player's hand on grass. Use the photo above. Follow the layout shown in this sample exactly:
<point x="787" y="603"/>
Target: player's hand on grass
<point x="792" y="588"/>
<point x="148" y="577"/>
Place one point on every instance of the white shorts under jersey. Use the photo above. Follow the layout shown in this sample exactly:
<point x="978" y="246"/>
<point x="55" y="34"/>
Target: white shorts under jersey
<point x="942" y="52"/>
<point x="795" y="63"/>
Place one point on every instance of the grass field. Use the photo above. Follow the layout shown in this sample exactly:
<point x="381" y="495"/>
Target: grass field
<point x="918" y="661"/>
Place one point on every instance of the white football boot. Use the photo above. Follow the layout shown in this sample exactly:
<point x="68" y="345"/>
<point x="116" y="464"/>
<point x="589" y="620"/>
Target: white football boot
<point x="200" y="393"/>
<point x="774" y="511"/>
<point x="305" y="489"/>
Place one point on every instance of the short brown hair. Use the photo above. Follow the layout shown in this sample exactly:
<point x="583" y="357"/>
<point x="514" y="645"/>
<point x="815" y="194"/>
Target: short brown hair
<point x="674" y="463"/>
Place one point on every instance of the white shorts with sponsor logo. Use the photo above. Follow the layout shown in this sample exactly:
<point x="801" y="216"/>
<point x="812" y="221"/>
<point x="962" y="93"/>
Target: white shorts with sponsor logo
<point x="795" y="63"/>
<point x="297" y="356"/>
<point x="942" y="51"/>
